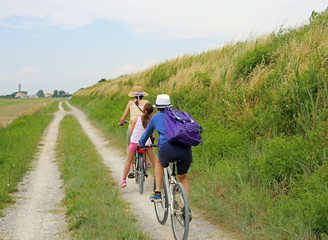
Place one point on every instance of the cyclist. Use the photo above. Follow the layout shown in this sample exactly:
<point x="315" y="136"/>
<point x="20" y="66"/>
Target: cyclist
<point x="167" y="152"/>
<point x="134" y="108"/>
<point x="137" y="128"/>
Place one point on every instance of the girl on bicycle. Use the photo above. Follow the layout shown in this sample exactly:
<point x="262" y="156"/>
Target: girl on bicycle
<point x="137" y="128"/>
<point x="167" y="151"/>
<point x="135" y="108"/>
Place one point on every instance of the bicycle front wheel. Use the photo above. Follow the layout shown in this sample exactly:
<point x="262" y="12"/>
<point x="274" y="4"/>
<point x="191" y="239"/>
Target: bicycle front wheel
<point x="161" y="208"/>
<point x="180" y="216"/>
<point x="141" y="174"/>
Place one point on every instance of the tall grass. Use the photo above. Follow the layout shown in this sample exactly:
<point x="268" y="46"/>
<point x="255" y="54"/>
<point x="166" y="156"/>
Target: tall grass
<point x="263" y="107"/>
<point x="95" y="207"/>
<point x="18" y="145"/>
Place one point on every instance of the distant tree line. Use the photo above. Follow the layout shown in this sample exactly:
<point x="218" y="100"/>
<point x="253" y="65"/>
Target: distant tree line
<point x="41" y="94"/>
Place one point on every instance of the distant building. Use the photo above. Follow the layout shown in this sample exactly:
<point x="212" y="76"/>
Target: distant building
<point x="48" y="95"/>
<point x="21" y="94"/>
<point x="33" y="96"/>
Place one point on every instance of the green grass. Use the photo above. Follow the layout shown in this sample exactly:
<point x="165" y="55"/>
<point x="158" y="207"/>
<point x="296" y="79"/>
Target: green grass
<point x="95" y="207"/>
<point x="18" y="145"/>
<point x="66" y="107"/>
<point x="263" y="105"/>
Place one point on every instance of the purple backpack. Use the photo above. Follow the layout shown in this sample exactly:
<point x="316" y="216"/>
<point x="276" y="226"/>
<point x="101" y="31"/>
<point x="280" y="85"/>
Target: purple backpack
<point x="181" y="128"/>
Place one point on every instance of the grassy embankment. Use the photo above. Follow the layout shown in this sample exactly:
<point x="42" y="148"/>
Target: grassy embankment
<point x="18" y="145"/>
<point x="95" y="208"/>
<point x="263" y="169"/>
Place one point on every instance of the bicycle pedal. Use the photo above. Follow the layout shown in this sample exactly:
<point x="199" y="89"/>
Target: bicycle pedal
<point x="146" y="175"/>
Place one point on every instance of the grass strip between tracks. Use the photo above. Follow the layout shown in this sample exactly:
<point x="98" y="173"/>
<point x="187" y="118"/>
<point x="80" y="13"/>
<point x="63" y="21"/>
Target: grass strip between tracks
<point x="66" y="107"/>
<point x="94" y="204"/>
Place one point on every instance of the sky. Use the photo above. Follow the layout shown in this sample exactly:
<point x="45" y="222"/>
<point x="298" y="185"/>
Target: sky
<point x="71" y="44"/>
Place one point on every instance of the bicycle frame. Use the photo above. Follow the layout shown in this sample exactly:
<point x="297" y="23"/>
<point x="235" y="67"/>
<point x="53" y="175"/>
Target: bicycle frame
<point x="170" y="179"/>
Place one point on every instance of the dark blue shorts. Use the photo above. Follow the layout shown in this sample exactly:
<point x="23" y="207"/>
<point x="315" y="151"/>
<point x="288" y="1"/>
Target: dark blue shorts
<point x="170" y="152"/>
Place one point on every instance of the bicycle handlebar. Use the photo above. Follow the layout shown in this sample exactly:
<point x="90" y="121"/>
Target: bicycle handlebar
<point x="121" y="124"/>
<point x="148" y="146"/>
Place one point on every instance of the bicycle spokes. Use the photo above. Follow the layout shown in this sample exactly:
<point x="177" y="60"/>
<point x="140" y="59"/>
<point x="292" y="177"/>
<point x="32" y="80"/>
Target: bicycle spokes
<point x="180" y="216"/>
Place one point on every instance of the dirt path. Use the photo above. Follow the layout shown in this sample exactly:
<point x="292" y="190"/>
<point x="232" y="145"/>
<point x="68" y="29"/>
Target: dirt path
<point x="144" y="209"/>
<point x="38" y="215"/>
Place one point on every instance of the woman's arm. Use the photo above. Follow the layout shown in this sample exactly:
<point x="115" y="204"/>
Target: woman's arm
<point x="125" y="114"/>
<point x="132" y="125"/>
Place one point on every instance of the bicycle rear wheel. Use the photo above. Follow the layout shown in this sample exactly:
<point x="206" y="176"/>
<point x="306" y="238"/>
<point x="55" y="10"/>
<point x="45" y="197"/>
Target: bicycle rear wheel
<point x="161" y="208"/>
<point x="180" y="215"/>
<point x="141" y="173"/>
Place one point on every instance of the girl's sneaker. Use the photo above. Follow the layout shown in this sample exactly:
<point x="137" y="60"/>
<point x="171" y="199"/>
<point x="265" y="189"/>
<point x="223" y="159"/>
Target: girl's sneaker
<point x="123" y="184"/>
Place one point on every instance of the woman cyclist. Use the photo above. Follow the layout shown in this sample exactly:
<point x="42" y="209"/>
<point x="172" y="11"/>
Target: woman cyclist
<point x="135" y="108"/>
<point x="137" y="129"/>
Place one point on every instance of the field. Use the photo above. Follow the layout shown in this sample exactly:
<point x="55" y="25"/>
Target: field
<point x="10" y="109"/>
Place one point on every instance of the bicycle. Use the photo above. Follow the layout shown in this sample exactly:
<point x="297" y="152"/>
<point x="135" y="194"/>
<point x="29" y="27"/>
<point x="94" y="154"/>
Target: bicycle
<point x="174" y="202"/>
<point x="139" y="166"/>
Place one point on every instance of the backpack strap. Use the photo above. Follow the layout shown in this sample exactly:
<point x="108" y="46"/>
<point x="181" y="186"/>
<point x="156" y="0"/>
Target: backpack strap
<point x="138" y="106"/>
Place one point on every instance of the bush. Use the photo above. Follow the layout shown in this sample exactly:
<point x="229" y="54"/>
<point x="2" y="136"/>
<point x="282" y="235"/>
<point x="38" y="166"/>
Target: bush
<point x="305" y="211"/>
<point x="247" y="62"/>
<point x="203" y="78"/>
<point x="291" y="158"/>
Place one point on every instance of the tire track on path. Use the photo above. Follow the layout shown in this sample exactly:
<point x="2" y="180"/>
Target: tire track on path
<point x="37" y="213"/>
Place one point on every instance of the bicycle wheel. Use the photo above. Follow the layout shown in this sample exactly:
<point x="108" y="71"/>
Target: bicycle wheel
<point x="180" y="215"/>
<point x="161" y="208"/>
<point x="141" y="173"/>
<point x="136" y="167"/>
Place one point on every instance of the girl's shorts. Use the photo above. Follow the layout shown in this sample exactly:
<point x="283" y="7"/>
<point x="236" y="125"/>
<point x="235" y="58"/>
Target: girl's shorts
<point x="133" y="147"/>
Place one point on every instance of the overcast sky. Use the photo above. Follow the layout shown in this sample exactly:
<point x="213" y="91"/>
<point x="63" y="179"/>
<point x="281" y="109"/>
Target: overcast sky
<point x="71" y="44"/>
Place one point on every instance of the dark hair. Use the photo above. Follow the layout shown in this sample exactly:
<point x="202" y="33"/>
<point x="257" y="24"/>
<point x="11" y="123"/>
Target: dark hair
<point x="137" y="102"/>
<point x="148" y="110"/>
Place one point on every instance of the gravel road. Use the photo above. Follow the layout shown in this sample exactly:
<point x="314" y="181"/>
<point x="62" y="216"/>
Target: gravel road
<point x="38" y="213"/>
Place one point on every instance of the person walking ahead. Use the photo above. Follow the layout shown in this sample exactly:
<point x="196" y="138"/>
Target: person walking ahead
<point x="167" y="152"/>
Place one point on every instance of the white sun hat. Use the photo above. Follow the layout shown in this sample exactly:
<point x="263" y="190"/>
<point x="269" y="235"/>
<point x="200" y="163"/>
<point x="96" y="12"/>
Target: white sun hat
<point x="162" y="101"/>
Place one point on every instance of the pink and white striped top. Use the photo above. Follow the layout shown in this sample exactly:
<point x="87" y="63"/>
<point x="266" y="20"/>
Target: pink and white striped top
<point x="138" y="131"/>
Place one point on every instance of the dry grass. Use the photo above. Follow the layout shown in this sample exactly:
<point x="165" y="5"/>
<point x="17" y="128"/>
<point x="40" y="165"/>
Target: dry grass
<point x="11" y="109"/>
<point x="220" y="66"/>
